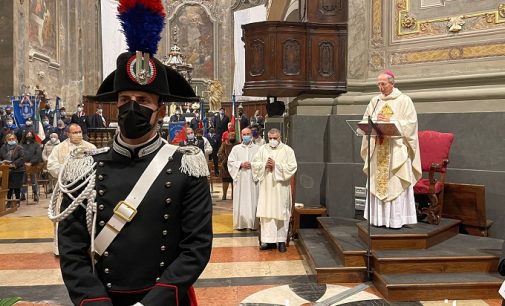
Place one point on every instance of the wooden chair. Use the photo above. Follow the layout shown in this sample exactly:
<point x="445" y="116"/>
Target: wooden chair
<point x="6" y="206"/>
<point x="210" y="164"/>
<point x="35" y="170"/>
<point x="429" y="192"/>
<point x="44" y="180"/>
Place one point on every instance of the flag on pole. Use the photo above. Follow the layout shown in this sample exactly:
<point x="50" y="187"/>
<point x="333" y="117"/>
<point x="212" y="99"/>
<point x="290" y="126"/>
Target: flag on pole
<point x="234" y="121"/>
<point x="23" y="107"/>
<point x="39" y="128"/>
<point x="56" y="114"/>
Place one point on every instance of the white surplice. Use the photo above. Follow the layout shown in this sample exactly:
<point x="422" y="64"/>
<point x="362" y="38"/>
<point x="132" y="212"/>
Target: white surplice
<point x="245" y="189"/>
<point x="274" y="199"/>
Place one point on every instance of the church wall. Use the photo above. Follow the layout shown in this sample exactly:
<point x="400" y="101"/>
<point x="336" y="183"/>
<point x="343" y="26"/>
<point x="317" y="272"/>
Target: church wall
<point x="57" y="47"/>
<point x="6" y="45"/>
<point x="454" y="76"/>
<point x="205" y="36"/>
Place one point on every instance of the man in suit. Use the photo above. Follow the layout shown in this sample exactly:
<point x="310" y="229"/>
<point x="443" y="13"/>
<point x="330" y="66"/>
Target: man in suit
<point x="82" y="120"/>
<point x="220" y="122"/>
<point x="98" y="120"/>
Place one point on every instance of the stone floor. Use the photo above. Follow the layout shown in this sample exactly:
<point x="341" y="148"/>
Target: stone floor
<point x="238" y="273"/>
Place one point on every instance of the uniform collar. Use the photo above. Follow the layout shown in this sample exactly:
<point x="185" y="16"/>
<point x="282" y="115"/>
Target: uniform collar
<point x="140" y="150"/>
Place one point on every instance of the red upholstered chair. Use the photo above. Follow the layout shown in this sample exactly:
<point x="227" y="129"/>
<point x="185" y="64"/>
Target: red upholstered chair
<point x="434" y="147"/>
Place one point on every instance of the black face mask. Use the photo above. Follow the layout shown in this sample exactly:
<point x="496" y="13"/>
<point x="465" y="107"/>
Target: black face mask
<point x="134" y="120"/>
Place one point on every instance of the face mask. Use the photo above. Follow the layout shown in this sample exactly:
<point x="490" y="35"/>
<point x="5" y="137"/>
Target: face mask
<point x="99" y="111"/>
<point x="79" y="109"/>
<point x="134" y="120"/>
<point x="191" y="136"/>
<point x="255" y="133"/>
<point x="12" y="142"/>
<point x="246" y="139"/>
<point x="273" y="143"/>
<point x="240" y="113"/>
<point x="199" y="137"/>
<point x="76" y="138"/>
<point x="53" y="140"/>
<point x="233" y="140"/>
<point x="29" y="123"/>
<point x="9" y="123"/>
<point x="62" y="114"/>
<point x="45" y="122"/>
<point x="211" y="134"/>
<point x="177" y="112"/>
<point x="221" y="113"/>
<point x="29" y="139"/>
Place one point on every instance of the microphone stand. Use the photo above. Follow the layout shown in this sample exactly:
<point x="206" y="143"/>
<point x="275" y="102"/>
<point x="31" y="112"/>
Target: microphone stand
<point x="369" y="244"/>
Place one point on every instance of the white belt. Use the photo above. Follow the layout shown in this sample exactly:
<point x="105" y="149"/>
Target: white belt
<point x="127" y="209"/>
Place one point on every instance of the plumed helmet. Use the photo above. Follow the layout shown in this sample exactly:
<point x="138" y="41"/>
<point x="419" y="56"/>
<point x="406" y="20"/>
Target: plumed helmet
<point x="142" y="22"/>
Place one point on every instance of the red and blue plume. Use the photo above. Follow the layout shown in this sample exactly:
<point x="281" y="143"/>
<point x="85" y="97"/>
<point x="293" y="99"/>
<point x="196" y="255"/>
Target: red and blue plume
<point x="142" y="22"/>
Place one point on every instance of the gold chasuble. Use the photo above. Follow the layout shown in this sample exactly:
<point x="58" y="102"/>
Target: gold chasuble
<point x="395" y="161"/>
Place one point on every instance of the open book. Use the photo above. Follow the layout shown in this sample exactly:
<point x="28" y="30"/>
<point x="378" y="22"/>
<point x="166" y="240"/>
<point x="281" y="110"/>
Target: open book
<point x="385" y="128"/>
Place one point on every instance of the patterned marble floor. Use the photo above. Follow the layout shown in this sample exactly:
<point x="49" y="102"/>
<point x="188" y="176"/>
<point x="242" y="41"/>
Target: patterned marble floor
<point x="238" y="273"/>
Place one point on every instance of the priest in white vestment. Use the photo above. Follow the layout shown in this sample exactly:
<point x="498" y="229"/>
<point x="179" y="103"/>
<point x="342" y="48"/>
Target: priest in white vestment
<point x="395" y="164"/>
<point x="245" y="189"/>
<point x="273" y="167"/>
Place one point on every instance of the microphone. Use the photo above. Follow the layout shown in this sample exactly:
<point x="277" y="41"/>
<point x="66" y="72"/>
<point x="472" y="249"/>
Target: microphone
<point x="376" y="103"/>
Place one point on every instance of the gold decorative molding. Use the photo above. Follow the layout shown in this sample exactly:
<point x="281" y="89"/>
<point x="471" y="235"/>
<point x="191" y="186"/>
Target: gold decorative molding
<point x="377" y="36"/>
<point x="377" y="60"/>
<point x="448" y="54"/>
<point x="407" y="25"/>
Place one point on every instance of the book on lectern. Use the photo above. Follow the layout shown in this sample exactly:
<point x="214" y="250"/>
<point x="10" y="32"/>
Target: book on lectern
<point x="386" y="128"/>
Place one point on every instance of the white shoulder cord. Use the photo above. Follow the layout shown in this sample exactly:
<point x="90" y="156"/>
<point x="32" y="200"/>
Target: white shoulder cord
<point x="88" y="193"/>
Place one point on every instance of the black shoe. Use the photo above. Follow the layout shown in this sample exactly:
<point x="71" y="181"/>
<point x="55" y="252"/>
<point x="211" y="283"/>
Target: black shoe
<point x="23" y="197"/>
<point x="36" y="198"/>
<point x="267" y="246"/>
<point x="282" y="247"/>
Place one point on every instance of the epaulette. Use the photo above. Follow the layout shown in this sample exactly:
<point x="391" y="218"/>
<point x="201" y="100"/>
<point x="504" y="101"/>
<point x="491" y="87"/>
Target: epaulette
<point x="193" y="161"/>
<point x="79" y="162"/>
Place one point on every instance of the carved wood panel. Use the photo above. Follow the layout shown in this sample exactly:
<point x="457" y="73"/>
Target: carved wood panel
<point x="297" y="58"/>
<point x="326" y="11"/>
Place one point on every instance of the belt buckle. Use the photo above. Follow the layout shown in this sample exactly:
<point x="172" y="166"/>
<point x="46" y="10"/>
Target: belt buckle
<point x="120" y="214"/>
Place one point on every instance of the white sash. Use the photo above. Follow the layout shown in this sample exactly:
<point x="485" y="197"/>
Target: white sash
<point x="126" y="209"/>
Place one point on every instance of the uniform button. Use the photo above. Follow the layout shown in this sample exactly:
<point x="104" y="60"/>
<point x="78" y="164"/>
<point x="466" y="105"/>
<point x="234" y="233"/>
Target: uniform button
<point x="163" y="248"/>
<point x="101" y="223"/>
<point x="165" y="232"/>
<point x="157" y="279"/>
<point x="169" y="171"/>
<point x="106" y="270"/>
<point x="168" y="200"/>
<point x="100" y="177"/>
<point x="168" y="184"/>
<point x="100" y="164"/>
<point x="166" y="216"/>
<point x="162" y="264"/>
<point x="101" y="192"/>
<point x="106" y="253"/>
<point x="101" y="207"/>
<point x="109" y="285"/>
